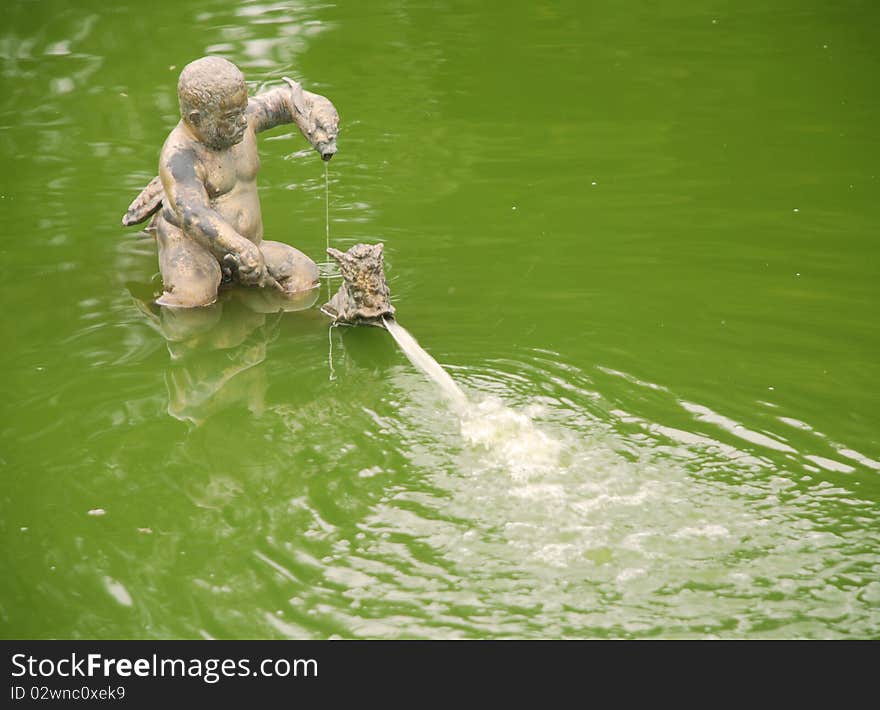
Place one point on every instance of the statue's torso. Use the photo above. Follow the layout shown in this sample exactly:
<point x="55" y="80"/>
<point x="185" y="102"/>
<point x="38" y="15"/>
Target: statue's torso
<point x="231" y="182"/>
<point x="230" y="179"/>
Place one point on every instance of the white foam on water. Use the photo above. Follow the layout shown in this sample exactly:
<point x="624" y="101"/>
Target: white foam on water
<point x="509" y="438"/>
<point x="601" y="521"/>
<point x="707" y="530"/>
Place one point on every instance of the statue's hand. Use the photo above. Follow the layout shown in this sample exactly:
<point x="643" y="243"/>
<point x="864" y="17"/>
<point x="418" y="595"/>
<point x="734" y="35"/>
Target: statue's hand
<point x="248" y="261"/>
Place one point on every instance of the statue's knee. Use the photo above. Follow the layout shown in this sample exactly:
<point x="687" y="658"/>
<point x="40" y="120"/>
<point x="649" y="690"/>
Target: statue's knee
<point x="296" y="272"/>
<point x="190" y="292"/>
<point x="190" y="281"/>
<point x="303" y="278"/>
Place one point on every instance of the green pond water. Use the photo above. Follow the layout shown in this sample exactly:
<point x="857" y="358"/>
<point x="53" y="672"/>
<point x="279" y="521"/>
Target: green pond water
<point x="642" y="237"/>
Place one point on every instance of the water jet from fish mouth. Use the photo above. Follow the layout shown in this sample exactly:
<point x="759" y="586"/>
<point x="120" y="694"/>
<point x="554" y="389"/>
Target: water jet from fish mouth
<point x="424" y="362"/>
<point x="363" y="299"/>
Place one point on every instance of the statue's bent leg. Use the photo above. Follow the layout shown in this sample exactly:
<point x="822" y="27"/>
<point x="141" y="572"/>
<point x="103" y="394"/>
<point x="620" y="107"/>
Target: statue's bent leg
<point x="190" y="273"/>
<point x="289" y="266"/>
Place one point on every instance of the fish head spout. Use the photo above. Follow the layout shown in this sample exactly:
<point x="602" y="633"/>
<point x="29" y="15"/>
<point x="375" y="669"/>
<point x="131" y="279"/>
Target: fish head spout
<point x="323" y="127"/>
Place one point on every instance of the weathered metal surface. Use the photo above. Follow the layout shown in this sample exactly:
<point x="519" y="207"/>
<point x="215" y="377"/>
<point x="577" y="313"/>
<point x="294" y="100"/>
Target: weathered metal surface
<point x="363" y="298"/>
<point x="204" y="202"/>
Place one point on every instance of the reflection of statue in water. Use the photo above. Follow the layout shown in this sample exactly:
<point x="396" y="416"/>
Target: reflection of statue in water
<point x="207" y="211"/>
<point x="217" y="352"/>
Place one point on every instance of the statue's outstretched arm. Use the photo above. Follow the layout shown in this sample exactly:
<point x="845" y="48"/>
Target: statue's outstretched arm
<point x="314" y="115"/>
<point x="271" y="108"/>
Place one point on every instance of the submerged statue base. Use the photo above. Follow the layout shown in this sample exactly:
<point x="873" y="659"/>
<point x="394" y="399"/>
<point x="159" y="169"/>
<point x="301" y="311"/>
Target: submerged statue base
<point x="363" y="298"/>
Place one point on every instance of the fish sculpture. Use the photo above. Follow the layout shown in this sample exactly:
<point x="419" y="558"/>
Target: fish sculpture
<point x="363" y="298"/>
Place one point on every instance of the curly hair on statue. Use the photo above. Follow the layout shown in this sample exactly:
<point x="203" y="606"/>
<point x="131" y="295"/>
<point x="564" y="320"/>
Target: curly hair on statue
<point x="206" y="81"/>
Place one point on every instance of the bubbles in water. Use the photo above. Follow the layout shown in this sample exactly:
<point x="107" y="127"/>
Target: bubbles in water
<point x="620" y="525"/>
<point x="510" y="439"/>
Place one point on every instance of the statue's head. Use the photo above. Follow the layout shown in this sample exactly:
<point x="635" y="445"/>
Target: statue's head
<point x="213" y="99"/>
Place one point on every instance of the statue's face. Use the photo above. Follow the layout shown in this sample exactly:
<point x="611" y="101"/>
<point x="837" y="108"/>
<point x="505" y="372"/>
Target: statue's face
<point x="224" y="126"/>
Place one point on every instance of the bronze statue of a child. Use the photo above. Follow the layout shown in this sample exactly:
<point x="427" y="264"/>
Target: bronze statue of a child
<point x="208" y="223"/>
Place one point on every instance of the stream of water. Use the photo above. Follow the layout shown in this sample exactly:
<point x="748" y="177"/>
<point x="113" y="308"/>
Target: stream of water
<point x="428" y="365"/>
